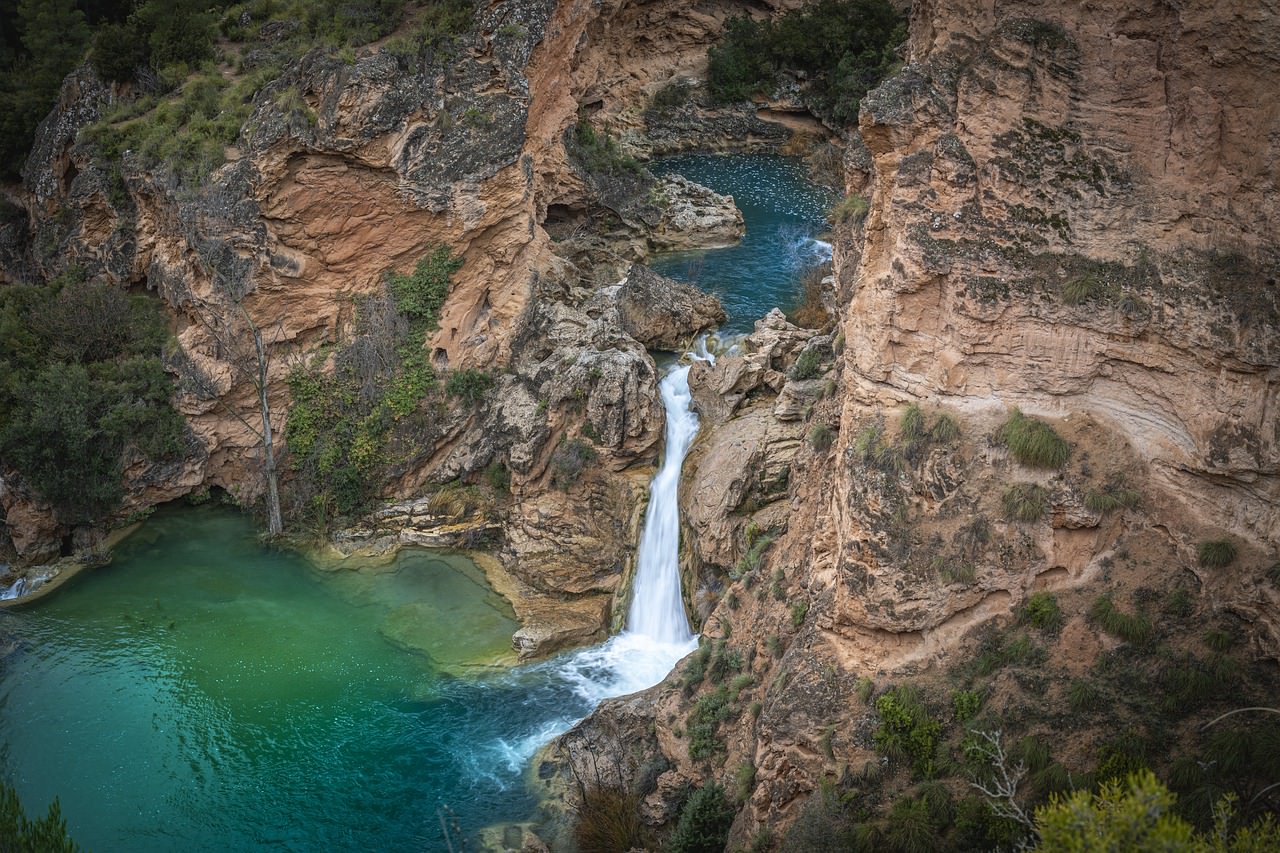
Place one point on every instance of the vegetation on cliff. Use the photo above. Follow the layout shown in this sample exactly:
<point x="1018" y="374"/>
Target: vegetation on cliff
<point x="841" y="48"/>
<point x="343" y="419"/>
<point x="83" y="388"/>
<point x="21" y="834"/>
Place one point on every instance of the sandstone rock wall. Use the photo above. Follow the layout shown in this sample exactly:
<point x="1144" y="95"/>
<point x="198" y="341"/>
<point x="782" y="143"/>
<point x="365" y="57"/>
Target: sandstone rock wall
<point x="1031" y="150"/>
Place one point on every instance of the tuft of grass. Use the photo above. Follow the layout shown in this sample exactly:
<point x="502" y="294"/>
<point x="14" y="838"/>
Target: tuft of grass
<point x="1085" y="696"/>
<point x="945" y="429"/>
<point x="1132" y="628"/>
<point x="1179" y="602"/>
<point x="1087" y="288"/>
<point x="1024" y="502"/>
<point x="864" y="688"/>
<point x="851" y="208"/>
<point x="798" y="611"/>
<point x="1216" y="553"/>
<point x="820" y="438"/>
<point x="912" y="427"/>
<point x="1033" y="443"/>
<point x="744" y="781"/>
<point x="966" y="704"/>
<point x="609" y="819"/>
<point x="1110" y="497"/>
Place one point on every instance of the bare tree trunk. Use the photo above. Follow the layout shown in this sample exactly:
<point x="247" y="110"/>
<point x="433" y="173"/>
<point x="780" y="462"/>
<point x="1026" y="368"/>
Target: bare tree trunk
<point x="275" y="524"/>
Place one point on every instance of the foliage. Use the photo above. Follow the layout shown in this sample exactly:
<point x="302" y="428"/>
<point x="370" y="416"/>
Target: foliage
<point x="1132" y="628"/>
<point x="1137" y="815"/>
<point x="704" y="822"/>
<point x="820" y="438"/>
<point x="568" y="462"/>
<point x="82" y="384"/>
<point x="420" y="295"/>
<point x="440" y="26"/>
<point x="824" y="824"/>
<point x="1216" y="553"/>
<point x="598" y="152"/>
<point x="1114" y="495"/>
<point x="906" y="731"/>
<point x="1000" y="650"/>
<point x="851" y="208"/>
<point x="799" y="610"/>
<point x="704" y="721"/>
<point x="808" y="365"/>
<point x="340" y="423"/>
<point x="499" y="476"/>
<point x="1032" y="442"/>
<point x="744" y="780"/>
<point x="966" y="704"/>
<point x="609" y="820"/>
<point x="911" y="827"/>
<point x="1024" y="502"/>
<point x="19" y="834"/>
<point x="844" y="48"/>
<point x="1042" y="611"/>
<point x="469" y="385"/>
<point x="53" y="38"/>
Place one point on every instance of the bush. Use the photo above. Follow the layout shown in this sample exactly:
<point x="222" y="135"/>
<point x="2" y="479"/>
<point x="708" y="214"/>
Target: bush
<point x="910" y="827"/>
<point x="798" y="611"/>
<point x="823" y="825"/>
<point x="808" y="365"/>
<point x="1216" y="554"/>
<point x="569" y="461"/>
<point x="1024" y="502"/>
<point x="1032" y="442"/>
<point x="845" y="47"/>
<point x="599" y="153"/>
<point x="469" y="385"/>
<point x="1042" y="611"/>
<point x="419" y="296"/>
<point x="498" y="476"/>
<point x="81" y="382"/>
<point x="704" y="822"/>
<point x="906" y="731"/>
<point x="966" y="704"/>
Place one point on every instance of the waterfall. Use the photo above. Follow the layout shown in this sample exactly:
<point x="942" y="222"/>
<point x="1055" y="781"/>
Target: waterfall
<point x="657" y="607"/>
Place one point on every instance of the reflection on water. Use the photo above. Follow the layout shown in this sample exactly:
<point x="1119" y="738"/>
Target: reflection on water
<point x="784" y="215"/>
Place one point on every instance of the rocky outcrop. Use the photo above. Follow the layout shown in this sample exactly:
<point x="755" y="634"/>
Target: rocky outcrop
<point x="694" y="217"/>
<point x="657" y="311"/>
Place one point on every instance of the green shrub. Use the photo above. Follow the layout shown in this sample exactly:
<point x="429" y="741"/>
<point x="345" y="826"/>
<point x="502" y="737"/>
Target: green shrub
<point x="1042" y="611"/>
<point x="469" y="385"/>
<point x="1002" y="650"/>
<point x="824" y="824"/>
<point x="845" y="47"/>
<point x="20" y="834"/>
<point x="498" y="476"/>
<point x="82" y="383"/>
<point x="599" y="153"/>
<point x="1136" y="629"/>
<point x="1033" y="443"/>
<point x="864" y="688"/>
<point x="1087" y="288"/>
<point x="704" y="822"/>
<point x="808" y="365"/>
<point x="1179" y="602"/>
<point x="912" y="426"/>
<point x="799" y="610"/>
<point x="906" y="731"/>
<point x="1024" y="502"/>
<point x="568" y="462"/>
<point x="1216" y="553"/>
<point x="910" y="827"/>
<point x="966" y="704"/>
<point x="420" y="295"/>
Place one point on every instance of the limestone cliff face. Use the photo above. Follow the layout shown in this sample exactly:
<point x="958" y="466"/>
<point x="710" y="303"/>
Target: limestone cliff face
<point x="1032" y="151"/>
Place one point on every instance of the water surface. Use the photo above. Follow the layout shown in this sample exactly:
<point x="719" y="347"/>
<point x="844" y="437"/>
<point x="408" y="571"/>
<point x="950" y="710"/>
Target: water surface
<point x="784" y="215"/>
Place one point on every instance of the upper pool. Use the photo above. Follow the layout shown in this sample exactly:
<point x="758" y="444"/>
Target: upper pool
<point x="784" y="214"/>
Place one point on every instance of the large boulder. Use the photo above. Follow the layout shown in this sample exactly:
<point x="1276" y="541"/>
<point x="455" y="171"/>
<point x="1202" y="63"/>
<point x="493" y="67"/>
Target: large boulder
<point x="660" y="312"/>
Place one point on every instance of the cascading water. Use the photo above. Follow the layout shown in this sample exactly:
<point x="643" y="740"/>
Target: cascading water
<point x="657" y="607"/>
